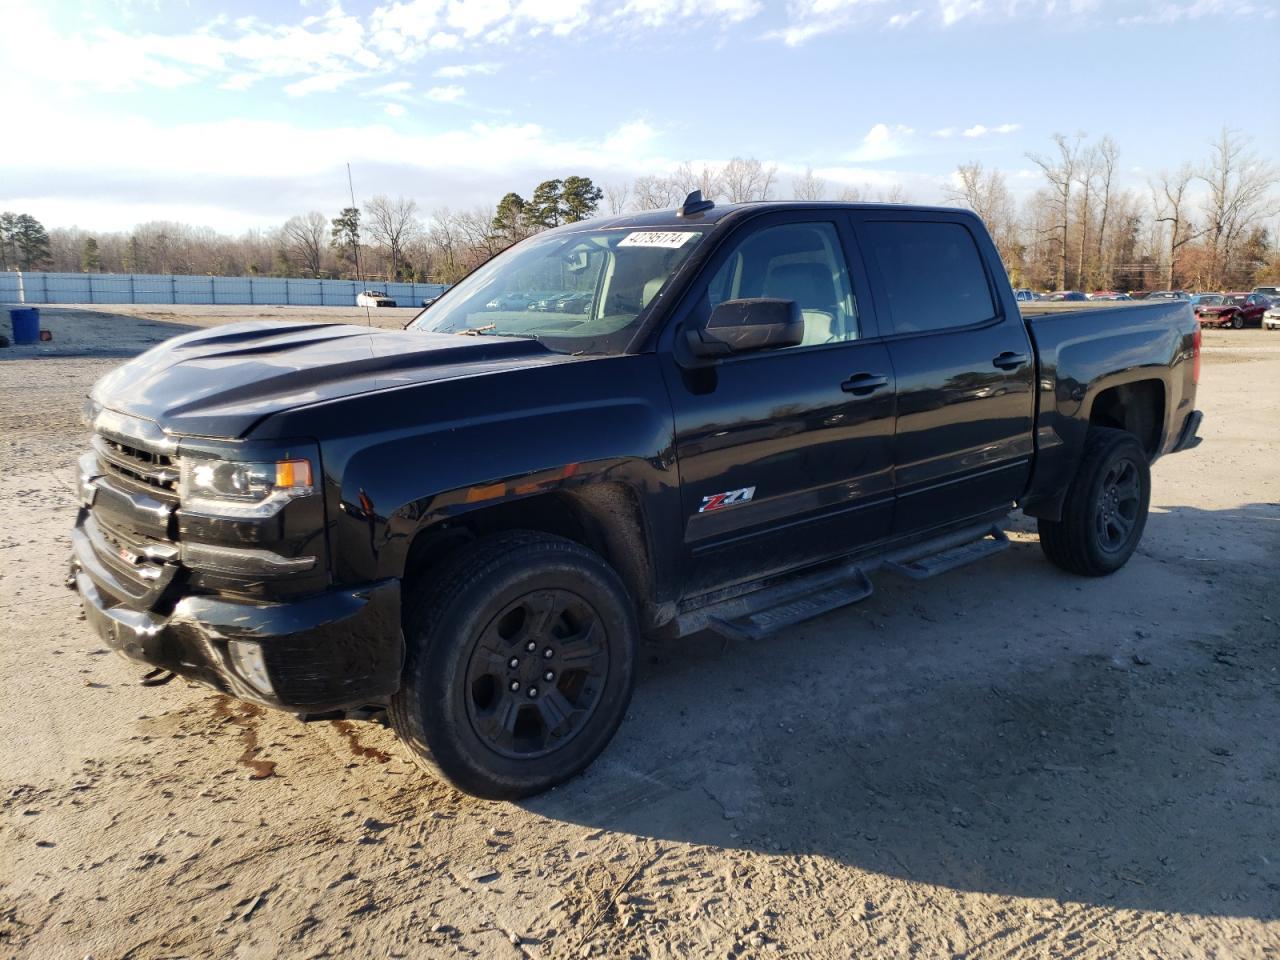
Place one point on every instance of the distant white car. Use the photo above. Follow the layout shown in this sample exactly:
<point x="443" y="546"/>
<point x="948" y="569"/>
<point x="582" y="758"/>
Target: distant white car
<point x="1271" y="319"/>
<point x="374" y="298"/>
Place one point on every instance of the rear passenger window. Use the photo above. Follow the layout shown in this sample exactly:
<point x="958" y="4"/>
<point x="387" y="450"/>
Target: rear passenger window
<point x="931" y="273"/>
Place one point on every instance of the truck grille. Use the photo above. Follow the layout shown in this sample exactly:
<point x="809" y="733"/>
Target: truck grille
<point x="137" y="465"/>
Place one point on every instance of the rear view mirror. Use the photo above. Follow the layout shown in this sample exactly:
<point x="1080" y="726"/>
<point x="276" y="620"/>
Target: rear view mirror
<point x="741" y="326"/>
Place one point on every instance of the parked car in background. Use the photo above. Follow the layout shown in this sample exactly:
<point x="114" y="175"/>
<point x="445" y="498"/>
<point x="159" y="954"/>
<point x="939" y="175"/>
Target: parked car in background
<point x="1023" y="295"/>
<point x="1235" y="310"/>
<point x="1167" y="295"/>
<point x="1271" y="293"/>
<point x="374" y="298"/>
<point x="1109" y="295"/>
<point x="1061" y="296"/>
<point x="509" y="301"/>
<point x="1271" y="318"/>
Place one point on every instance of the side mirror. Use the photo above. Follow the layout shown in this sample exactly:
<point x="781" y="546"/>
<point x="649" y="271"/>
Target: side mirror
<point x="741" y="326"/>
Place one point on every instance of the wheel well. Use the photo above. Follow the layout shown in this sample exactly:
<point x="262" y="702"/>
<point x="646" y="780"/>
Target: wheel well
<point x="605" y="518"/>
<point x="1136" y="407"/>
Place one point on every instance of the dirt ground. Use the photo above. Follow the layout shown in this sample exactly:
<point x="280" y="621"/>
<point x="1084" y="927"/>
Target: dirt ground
<point x="1002" y="762"/>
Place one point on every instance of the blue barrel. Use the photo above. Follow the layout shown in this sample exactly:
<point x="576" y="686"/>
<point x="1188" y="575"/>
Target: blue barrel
<point x="26" y="325"/>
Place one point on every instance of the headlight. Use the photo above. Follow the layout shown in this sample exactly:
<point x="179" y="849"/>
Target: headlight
<point x="226" y="488"/>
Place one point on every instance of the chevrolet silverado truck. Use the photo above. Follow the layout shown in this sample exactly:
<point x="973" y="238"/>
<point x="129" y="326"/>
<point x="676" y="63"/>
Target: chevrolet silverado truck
<point x="466" y="527"/>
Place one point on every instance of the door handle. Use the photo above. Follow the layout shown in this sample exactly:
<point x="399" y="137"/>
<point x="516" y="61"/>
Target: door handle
<point x="861" y="384"/>
<point x="1010" y="360"/>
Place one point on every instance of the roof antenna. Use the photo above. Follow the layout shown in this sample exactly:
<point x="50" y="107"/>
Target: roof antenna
<point x="368" y="317"/>
<point x="694" y="205"/>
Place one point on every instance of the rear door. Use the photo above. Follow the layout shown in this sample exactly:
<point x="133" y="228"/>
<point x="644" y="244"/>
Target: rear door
<point x="785" y="454"/>
<point x="964" y="365"/>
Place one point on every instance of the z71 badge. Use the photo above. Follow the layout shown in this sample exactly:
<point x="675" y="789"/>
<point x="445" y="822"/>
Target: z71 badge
<point x="718" y="501"/>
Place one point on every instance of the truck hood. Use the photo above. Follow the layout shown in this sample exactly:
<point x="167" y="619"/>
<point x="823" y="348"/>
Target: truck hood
<point x="222" y="381"/>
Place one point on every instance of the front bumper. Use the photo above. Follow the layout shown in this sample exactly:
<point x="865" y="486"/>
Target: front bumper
<point x="335" y="650"/>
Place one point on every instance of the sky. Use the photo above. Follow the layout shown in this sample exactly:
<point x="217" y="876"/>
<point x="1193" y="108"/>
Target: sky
<point x="239" y="114"/>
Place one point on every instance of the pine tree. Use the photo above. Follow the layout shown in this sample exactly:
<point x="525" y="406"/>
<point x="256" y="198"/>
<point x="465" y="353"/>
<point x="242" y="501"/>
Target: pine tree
<point x="579" y="199"/>
<point x="90" y="260"/>
<point x="509" y="219"/>
<point x="546" y="207"/>
<point x="345" y="236"/>
<point x="32" y="241"/>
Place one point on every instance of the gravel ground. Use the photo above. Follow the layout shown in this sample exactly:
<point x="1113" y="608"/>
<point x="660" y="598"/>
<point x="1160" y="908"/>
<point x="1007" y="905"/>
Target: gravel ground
<point x="1002" y="762"/>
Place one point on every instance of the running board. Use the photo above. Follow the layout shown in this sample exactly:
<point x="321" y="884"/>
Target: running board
<point x="764" y="612"/>
<point x="940" y="558"/>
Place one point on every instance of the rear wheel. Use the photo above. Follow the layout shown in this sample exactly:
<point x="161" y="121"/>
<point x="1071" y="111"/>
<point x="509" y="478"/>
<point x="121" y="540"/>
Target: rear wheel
<point x="1237" y="322"/>
<point x="1105" y="511"/>
<point x="521" y="653"/>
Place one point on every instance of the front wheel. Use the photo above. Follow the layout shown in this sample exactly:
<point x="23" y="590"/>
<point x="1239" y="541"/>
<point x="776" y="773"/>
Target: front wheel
<point x="1105" y="510"/>
<point x="521" y="659"/>
<point x="1237" y="322"/>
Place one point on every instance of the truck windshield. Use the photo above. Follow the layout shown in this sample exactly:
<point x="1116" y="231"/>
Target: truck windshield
<point x="575" y="292"/>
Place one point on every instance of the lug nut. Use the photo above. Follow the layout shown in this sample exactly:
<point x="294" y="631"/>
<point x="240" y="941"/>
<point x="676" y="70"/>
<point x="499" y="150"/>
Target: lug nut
<point x="533" y="692"/>
<point x="515" y="685"/>
<point x="531" y="646"/>
<point x="548" y="676"/>
<point x="513" y="663"/>
<point x="548" y="653"/>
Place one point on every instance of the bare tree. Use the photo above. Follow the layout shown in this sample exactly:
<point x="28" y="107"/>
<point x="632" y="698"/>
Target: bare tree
<point x="895" y="194"/>
<point x="808" y="186"/>
<point x="1108" y="154"/>
<point x="392" y="223"/>
<point x="1086" y="174"/>
<point x="656" y="193"/>
<point x="986" y="194"/>
<point x="1240" y="185"/>
<point x="1061" y="174"/>
<point x="850" y="195"/>
<point x="746" y="178"/>
<point x="685" y="179"/>
<point x="305" y="238"/>
<point x="1169" y="195"/>
<point x="616" y="196"/>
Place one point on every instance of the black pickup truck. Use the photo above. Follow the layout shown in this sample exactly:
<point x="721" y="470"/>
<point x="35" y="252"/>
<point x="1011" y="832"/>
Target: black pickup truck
<point x="467" y="526"/>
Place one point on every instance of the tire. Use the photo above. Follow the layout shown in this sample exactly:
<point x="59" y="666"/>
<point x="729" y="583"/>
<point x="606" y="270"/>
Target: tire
<point x="1237" y="322"/>
<point x="1105" y="510"/>
<point x="472" y="619"/>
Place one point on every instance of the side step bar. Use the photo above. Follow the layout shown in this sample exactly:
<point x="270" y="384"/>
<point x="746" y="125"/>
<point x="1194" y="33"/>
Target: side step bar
<point x="754" y="615"/>
<point x="930" y="559"/>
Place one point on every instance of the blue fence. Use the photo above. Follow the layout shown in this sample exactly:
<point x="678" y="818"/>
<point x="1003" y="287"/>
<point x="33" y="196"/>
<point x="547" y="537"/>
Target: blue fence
<point x="168" y="288"/>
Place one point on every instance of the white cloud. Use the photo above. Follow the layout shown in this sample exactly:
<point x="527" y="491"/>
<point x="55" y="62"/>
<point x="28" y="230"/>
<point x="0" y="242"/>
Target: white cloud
<point x="658" y="13"/>
<point x="395" y="89"/>
<point x="883" y="142"/>
<point x="457" y="71"/>
<point x="953" y="11"/>
<point x="946" y="133"/>
<point x="899" y="20"/>
<point x="450" y="93"/>
<point x="320" y="83"/>
<point x="394" y="110"/>
<point x="979" y="130"/>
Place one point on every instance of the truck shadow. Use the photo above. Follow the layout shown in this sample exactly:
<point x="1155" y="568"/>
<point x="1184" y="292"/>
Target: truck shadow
<point x="92" y="332"/>
<point x="1004" y="729"/>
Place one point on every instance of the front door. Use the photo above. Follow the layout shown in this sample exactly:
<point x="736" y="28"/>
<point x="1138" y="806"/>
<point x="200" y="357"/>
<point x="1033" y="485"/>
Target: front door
<point x="965" y="368"/>
<point x="785" y="454"/>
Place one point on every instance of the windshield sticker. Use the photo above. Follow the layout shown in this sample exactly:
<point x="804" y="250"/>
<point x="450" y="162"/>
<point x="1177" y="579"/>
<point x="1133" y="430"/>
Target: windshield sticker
<point x="653" y="238"/>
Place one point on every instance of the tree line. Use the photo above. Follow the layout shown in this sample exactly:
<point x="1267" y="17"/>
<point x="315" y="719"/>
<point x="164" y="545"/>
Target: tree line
<point x="1202" y="225"/>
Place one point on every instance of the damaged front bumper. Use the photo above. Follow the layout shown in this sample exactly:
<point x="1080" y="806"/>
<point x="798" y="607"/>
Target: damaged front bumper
<point x="332" y="651"/>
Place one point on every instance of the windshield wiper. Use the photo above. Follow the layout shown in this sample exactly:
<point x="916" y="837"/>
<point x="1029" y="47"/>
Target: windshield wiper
<point x="491" y="330"/>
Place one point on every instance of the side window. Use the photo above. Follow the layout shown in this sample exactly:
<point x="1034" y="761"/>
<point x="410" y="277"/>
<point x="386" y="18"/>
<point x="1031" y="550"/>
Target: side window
<point x="794" y="261"/>
<point x="932" y="274"/>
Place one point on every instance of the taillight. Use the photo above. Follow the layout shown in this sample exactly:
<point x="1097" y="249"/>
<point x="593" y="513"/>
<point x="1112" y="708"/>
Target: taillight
<point x="1195" y="348"/>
